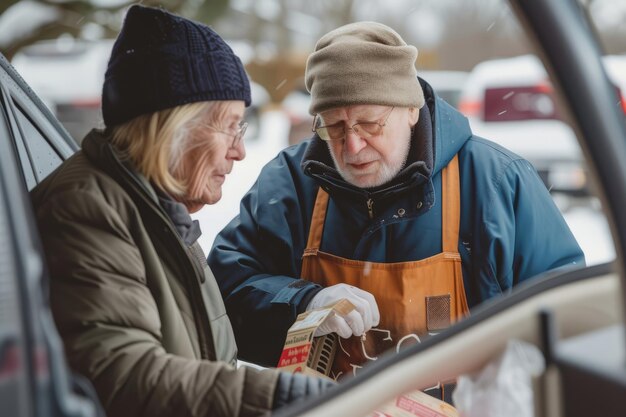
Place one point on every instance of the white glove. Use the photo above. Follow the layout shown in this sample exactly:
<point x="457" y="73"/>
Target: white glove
<point x="358" y="321"/>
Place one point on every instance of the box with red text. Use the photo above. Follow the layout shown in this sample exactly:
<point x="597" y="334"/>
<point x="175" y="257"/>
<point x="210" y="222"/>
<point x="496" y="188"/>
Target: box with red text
<point x="307" y="354"/>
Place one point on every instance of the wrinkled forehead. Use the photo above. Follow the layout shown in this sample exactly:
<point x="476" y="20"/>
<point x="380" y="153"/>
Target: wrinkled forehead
<point x="361" y="112"/>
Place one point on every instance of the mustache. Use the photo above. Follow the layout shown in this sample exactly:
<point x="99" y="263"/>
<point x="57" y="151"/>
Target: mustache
<point x="360" y="158"/>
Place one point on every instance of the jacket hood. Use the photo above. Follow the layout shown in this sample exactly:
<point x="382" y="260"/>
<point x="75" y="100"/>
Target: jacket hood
<point x="439" y="134"/>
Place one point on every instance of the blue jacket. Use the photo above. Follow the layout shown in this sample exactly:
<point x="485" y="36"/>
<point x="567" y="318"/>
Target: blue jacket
<point x="510" y="228"/>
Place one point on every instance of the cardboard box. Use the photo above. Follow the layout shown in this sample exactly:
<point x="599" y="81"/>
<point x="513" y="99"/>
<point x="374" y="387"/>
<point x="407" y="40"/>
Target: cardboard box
<point x="416" y="404"/>
<point x="307" y="354"/>
<point x="314" y="356"/>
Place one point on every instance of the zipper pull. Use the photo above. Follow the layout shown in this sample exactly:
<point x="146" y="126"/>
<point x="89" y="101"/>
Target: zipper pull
<point x="370" y="207"/>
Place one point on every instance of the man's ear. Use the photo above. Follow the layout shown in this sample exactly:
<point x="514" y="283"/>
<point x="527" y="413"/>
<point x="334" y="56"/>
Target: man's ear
<point x="414" y="115"/>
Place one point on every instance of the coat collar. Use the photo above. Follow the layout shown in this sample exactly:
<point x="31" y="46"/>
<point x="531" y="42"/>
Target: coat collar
<point x="187" y="228"/>
<point x="433" y="145"/>
<point x="100" y="152"/>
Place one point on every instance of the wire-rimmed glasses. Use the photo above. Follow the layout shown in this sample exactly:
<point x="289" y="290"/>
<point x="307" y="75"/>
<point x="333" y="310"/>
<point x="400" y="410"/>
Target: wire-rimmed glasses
<point x="237" y="135"/>
<point x="366" y="130"/>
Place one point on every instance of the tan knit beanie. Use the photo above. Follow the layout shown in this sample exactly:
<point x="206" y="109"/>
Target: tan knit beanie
<point x="362" y="63"/>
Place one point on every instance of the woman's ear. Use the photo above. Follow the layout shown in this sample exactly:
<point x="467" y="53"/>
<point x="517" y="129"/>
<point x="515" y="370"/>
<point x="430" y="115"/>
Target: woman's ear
<point x="414" y="116"/>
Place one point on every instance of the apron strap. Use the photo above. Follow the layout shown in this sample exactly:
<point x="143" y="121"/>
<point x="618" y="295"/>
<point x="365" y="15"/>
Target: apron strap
<point x="451" y="206"/>
<point x="317" y="222"/>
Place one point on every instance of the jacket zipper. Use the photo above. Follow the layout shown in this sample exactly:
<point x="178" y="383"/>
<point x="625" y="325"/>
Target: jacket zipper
<point x="370" y="208"/>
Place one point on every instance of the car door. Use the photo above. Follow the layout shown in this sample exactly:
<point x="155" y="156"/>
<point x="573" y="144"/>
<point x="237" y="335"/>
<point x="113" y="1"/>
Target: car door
<point x="38" y="139"/>
<point x="34" y="378"/>
<point x="576" y="317"/>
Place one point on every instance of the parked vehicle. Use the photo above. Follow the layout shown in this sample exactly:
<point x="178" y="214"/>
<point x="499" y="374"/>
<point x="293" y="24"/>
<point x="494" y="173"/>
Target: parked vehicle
<point x="512" y="102"/>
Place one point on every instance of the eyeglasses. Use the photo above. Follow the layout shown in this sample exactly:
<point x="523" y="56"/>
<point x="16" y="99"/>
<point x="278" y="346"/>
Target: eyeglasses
<point x="237" y="135"/>
<point x="366" y="130"/>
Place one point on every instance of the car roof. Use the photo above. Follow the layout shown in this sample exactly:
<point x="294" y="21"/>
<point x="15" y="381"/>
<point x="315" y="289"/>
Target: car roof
<point x="506" y="72"/>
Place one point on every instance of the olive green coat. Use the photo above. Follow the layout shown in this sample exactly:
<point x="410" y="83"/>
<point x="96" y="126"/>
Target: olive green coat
<point x="139" y="312"/>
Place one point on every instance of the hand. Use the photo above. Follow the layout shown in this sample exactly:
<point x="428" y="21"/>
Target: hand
<point x="358" y="321"/>
<point x="293" y="387"/>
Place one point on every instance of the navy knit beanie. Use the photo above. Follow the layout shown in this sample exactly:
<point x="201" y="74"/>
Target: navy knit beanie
<point x="160" y="61"/>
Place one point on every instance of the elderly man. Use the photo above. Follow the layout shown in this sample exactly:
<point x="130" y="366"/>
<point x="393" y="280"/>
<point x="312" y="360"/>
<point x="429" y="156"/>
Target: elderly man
<point x="393" y="204"/>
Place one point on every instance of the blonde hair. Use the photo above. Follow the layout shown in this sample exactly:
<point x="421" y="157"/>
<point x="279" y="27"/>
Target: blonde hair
<point x="155" y="143"/>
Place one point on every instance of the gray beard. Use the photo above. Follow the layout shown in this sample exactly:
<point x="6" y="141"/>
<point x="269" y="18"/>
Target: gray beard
<point x="385" y="174"/>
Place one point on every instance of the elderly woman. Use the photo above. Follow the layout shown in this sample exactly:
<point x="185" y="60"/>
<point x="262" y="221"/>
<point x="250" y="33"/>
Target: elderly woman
<point x="137" y="306"/>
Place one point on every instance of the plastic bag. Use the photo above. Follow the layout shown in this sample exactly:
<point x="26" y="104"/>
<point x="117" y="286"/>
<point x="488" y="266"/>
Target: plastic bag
<point x="504" y="386"/>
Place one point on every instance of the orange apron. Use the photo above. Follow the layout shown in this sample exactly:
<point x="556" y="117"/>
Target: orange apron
<point x="414" y="298"/>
